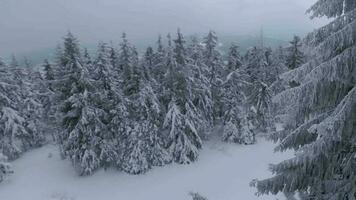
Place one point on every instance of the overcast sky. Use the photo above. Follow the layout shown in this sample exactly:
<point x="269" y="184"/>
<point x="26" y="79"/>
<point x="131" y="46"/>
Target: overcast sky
<point x="30" y="25"/>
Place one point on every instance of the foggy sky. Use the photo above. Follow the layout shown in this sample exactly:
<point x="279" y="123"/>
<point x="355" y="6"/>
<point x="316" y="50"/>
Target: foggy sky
<point x="28" y="25"/>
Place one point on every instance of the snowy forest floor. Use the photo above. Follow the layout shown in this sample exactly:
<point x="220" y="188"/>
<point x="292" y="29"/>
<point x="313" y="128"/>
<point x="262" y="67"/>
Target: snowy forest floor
<point x="223" y="172"/>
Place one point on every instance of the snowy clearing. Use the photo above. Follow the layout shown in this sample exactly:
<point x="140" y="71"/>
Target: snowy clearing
<point x="223" y="172"/>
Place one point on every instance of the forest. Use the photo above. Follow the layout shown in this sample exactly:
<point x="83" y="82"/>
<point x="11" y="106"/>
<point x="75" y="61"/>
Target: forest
<point x="133" y="111"/>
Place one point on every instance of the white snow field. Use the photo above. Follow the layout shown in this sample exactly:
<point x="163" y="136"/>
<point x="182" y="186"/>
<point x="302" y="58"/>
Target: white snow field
<point x="223" y="172"/>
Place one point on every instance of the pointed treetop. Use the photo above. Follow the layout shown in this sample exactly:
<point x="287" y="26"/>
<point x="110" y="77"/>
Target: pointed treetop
<point x="169" y="40"/>
<point x="159" y="44"/>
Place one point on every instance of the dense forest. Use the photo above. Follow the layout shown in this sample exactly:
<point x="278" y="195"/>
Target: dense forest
<point x="130" y="111"/>
<point x="133" y="112"/>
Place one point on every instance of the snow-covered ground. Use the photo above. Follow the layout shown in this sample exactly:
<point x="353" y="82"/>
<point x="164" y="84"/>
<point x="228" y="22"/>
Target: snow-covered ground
<point x="223" y="172"/>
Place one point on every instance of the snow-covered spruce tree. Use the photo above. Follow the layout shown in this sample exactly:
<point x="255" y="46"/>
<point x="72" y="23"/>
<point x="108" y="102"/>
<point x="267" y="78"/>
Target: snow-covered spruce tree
<point x="179" y="124"/>
<point x="200" y="87"/>
<point x="260" y="100"/>
<point x="48" y="98"/>
<point x="236" y="125"/>
<point x="11" y="121"/>
<point x="149" y="58"/>
<point x="114" y="57"/>
<point x="234" y="59"/>
<point x="257" y="66"/>
<point x="33" y="107"/>
<point x="5" y="167"/>
<point x="125" y="63"/>
<point x="213" y="63"/>
<point x="278" y="67"/>
<point x="48" y="73"/>
<point x="87" y="61"/>
<point x="81" y="124"/>
<point x="179" y="50"/>
<point x="295" y="56"/>
<point x="323" y="109"/>
<point x="159" y="67"/>
<point x="108" y="98"/>
<point x="22" y="112"/>
<point x="141" y="143"/>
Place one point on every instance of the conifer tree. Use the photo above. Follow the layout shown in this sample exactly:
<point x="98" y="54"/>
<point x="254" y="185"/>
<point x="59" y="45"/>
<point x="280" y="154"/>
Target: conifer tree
<point x="214" y="65"/>
<point x="33" y="108"/>
<point x="181" y="119"/>
<point x="234" y="59"/>
<point x="295" y="56"/>
<point x="237" y="126"/>
<point x="87" y="60"/>
<point x="201" y="96"/>
<point x="260" y="99"/>
<point x="25" y="109"/>
<point x="108" y="99"/>
<point x="11" y="121"/>
<point x="81" y="124"/>
<point x="322" y="112"/>
<point x="159" y="67"/>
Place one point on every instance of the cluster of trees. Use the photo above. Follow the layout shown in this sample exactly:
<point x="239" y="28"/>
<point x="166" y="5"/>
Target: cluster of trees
<point x="22" y="94"/>
<point x="318" y="108"/>
<point x="133" y="113"/>
<point x="116" y="108"/>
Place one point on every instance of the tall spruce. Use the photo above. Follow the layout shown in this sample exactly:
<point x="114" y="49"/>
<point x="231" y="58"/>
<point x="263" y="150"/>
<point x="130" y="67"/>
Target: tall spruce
<point x="81" y="124"/>
<point x="11" y="122"/>
<point x="214" y="65"/>
<point x="183" y="139"/>
<point x="321" y="110"/>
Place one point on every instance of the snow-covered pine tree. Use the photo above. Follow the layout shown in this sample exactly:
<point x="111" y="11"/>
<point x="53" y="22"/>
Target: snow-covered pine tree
<point x="322" y="107"/>
<point x="47" y="98"/>
<point x="234" y="61"/>
<point x="159" y="67"/>
<point x="260" y="100"/>
<point x="256" y="64"/>
<point x="48" y="73"/>
<point x="149" y="58"/>
<point x="81" y="124"/>
<point x="5" y="167"/>
<point x="213" y="63"/>
<point x="84" y="128"/>
<point x="179" y="50"/>
<point x="195" y="51"/>
<point x="295" y="56"/>
<point x="125" y="64"/>
<point x="181" y="118"/>
<point x="236" y="125"/>
<point x="114" y="57"/>
<point x="109" y="99"/>
<point x="25" y="107"/>
<point x="33" y="107"/>
<point x="141" y="143"/>
<point x="278" y="67"/>
<point x="200" y="86"/>
<point x="11" y="121"/>
<point x="87" y="61"/>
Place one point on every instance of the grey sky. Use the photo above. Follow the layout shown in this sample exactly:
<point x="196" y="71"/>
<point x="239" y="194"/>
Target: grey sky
<point x="27" y="25"/>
